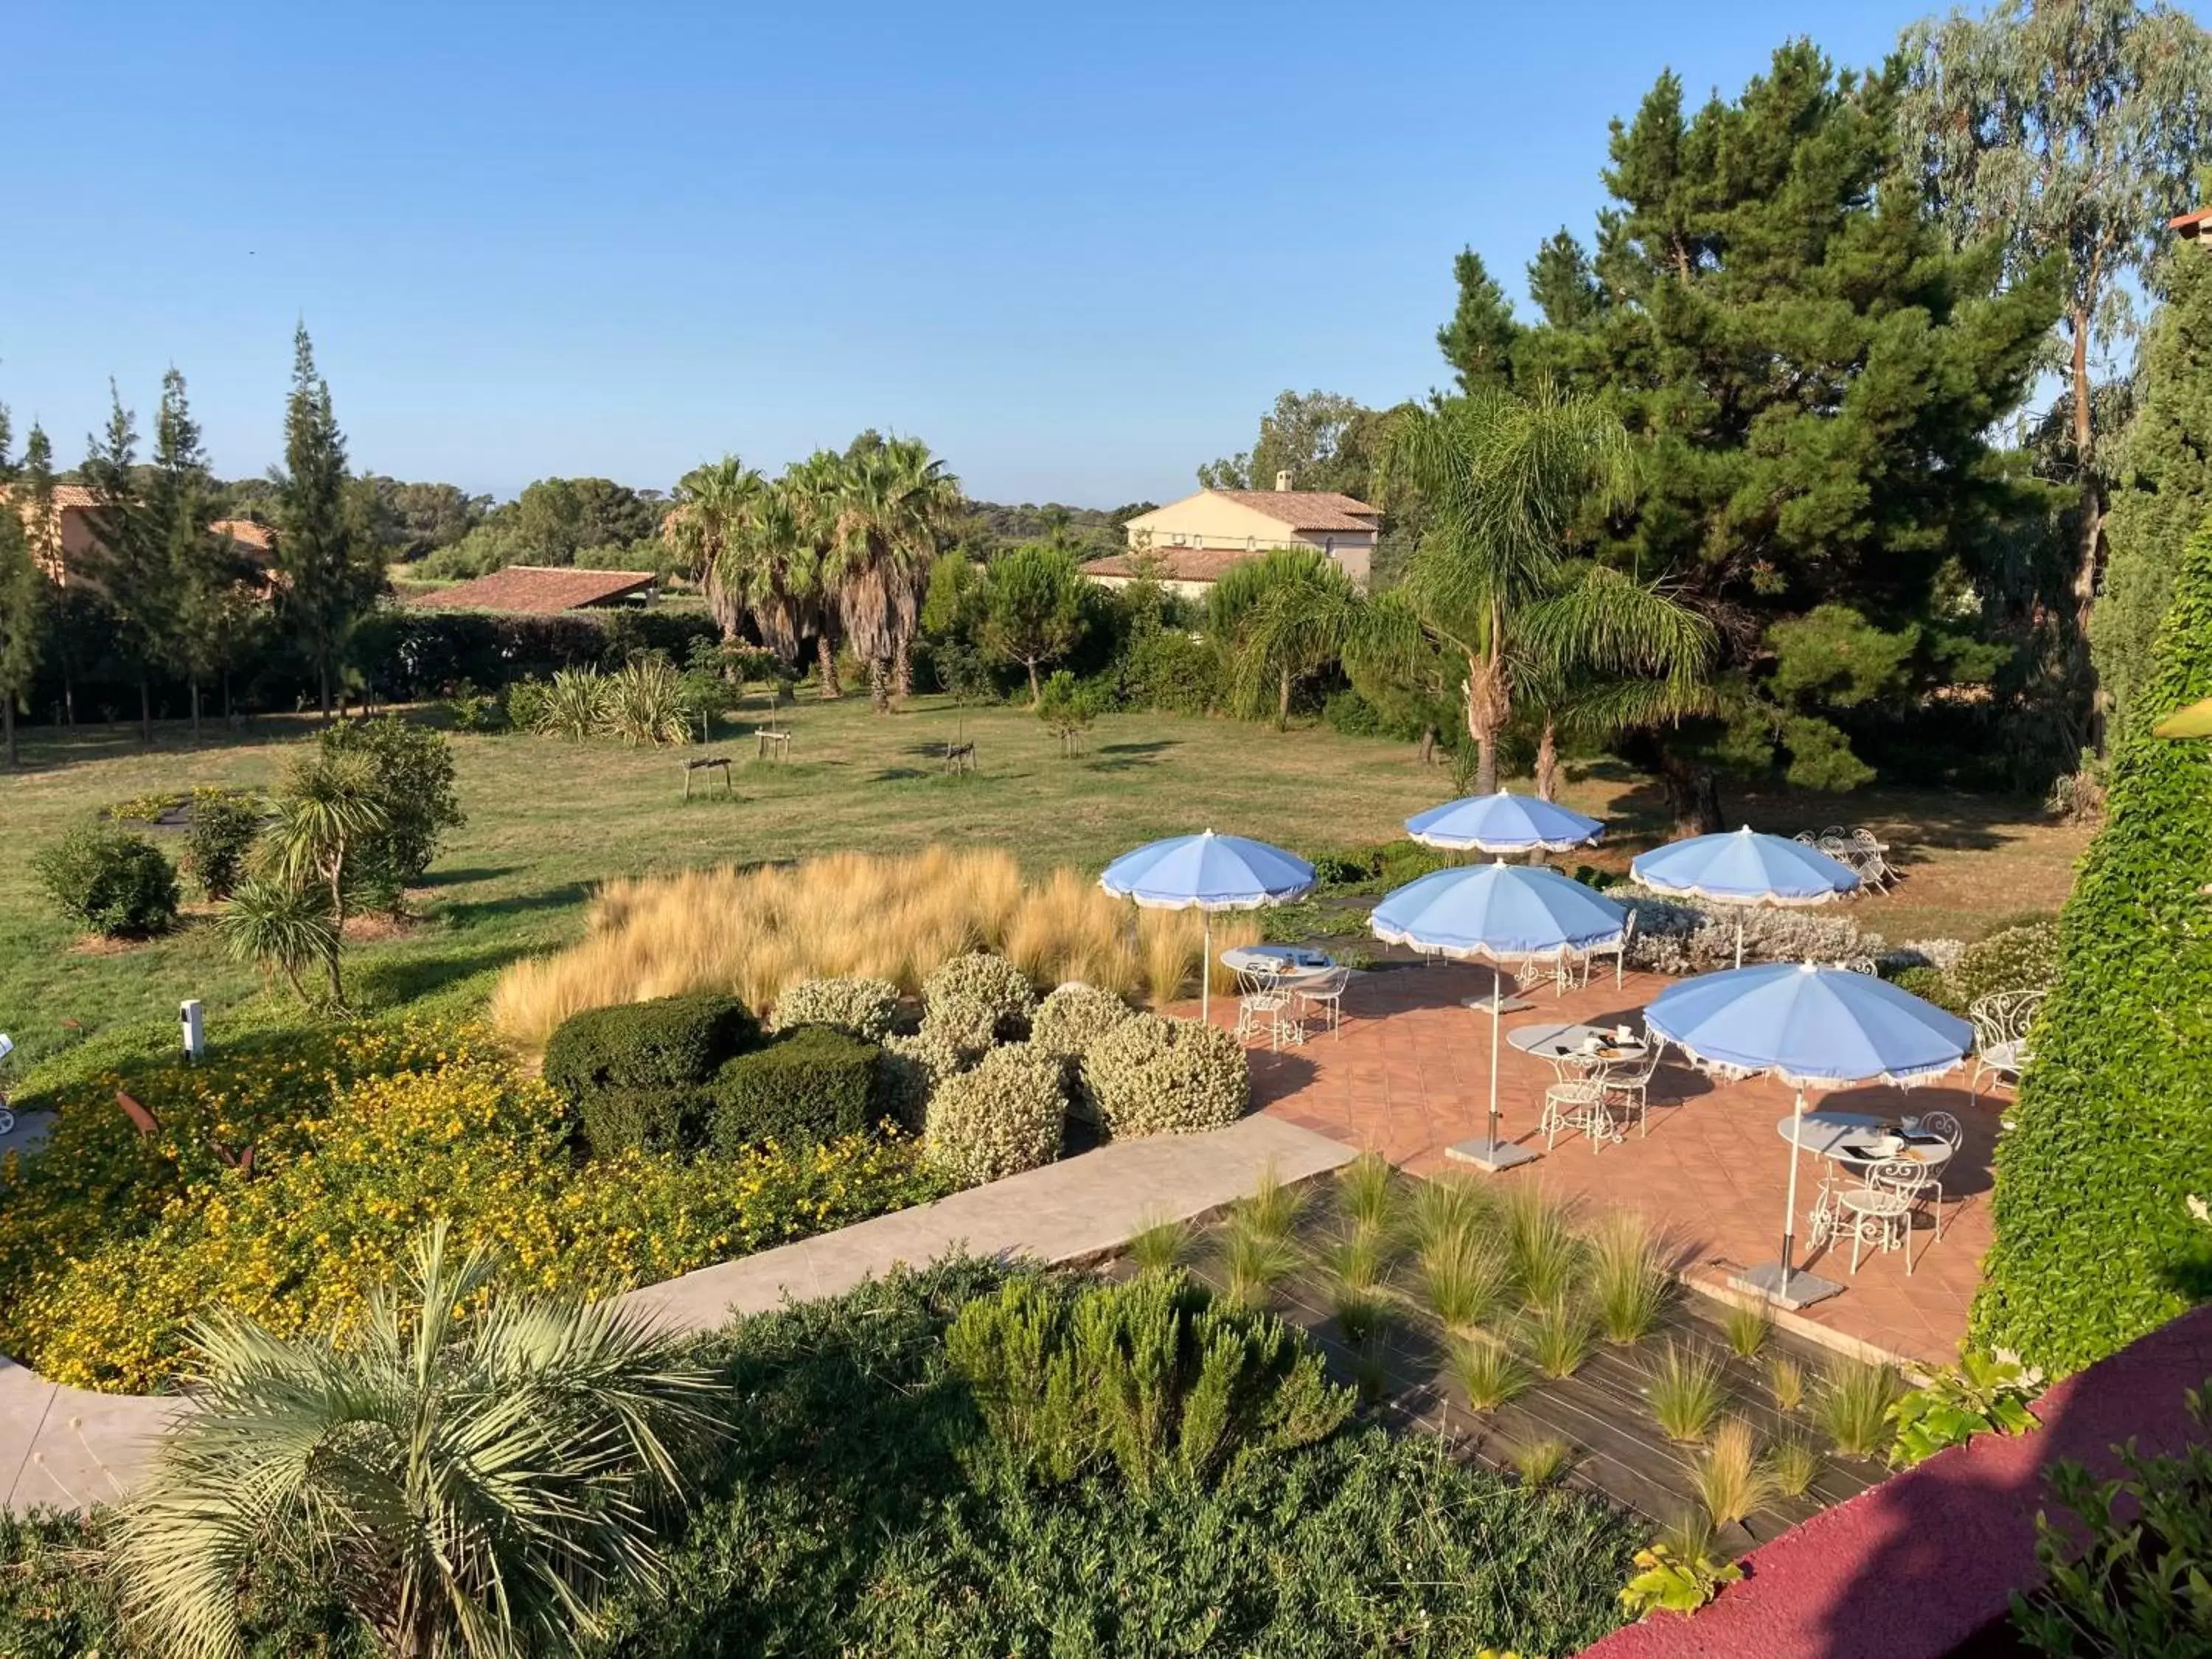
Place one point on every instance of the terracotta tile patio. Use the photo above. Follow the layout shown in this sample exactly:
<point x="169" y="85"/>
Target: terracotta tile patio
<point x="1408" y="1074"/>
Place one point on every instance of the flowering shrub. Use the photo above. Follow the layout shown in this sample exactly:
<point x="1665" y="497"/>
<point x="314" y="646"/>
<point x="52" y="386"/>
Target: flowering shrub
<point x="330" y="1205"/>
<point x="1683" y="936"/>
<point x="984" y="980"/>
<point x="1153" y="1076"/>
<point x="860" y="1007"/>
<point x="1004" y="1116"/>
<point x="2022" y="958"/>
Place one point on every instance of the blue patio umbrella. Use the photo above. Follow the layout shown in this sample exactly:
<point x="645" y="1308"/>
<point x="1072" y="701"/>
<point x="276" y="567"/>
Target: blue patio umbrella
<point x="1744" y="868"/>
<point x="1504" y="913"/>
<point x="1207" y="872"/>
<point x="1503" y="823"/>
<point x="1814" y="1028"/>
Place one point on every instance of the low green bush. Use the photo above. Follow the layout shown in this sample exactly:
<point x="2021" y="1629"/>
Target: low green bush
<point x="864" y="1008"/>
<point x="1931" y="985"/>
<point x="109" y="882"/>
<point x="1150" y="1376"/>
<point x="1153" y="1076"/>
<point x="669" y="1042"/>
<point x="808" y="1087"/>
<point x="861" y="1510"/>
<point x="1171" y="670"/>
<point x="626" y="1120"/>
<point x="413" y="767"/>
<point x="224" y="824"/>
<point x="1005" y="1114"/>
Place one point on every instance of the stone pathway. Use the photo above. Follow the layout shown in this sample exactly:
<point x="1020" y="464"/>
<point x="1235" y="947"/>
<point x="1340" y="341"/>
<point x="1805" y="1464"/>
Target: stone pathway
<point x="65" y="1449"/>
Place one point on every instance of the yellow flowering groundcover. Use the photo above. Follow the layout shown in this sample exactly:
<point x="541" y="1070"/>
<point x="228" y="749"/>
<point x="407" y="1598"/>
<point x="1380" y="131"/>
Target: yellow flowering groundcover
<point x="365" y="1156"/>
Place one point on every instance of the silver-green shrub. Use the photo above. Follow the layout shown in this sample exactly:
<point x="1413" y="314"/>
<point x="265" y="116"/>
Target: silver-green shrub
<point x="990" y="981"/>
<point x="1068" y="1024"/>
<point x="863" y="1007"/>
<point x="908" y="1075"/>
<point x="968" y="1025"/>
<point x="1151" y="1076"/>
<point x="1002" y="1117"/>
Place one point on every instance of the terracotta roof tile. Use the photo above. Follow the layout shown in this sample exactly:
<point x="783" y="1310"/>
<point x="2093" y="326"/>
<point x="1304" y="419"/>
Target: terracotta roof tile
<point x="258" y="539"/>
<point x="1174" y="564"/>
<point x="1306" y="509"/>
<point x="538" y="590"/>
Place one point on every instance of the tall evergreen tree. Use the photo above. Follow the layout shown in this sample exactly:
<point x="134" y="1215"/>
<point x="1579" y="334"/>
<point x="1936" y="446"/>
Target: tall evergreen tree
<point x="2162" y="487"/>
<point x="1808" y="373"/>
<point x="1478" y="340"/>
<point x="2068" y="130"/>
<point x="326" y="555"/>
<point x="203" y="569"/>
<point x="22" y="597"/>
<point x="130" y="562"/>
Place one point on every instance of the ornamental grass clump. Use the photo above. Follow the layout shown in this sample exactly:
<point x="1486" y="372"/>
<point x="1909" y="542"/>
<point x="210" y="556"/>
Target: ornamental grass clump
<point x="1687" y="1391"/>
<point x="1161" y="1245"/>
<point x="1254" y="1263"/>
<point x="1785" y="1381"/>
<point x="1539" y="1229"/>
<point x="1367" y="1193"/>
<point x="1746" y="1324"/>
<point x="1852" y="1405"/>
<point x="1464" y="1280"/>
<point x="1005" y="1116"/>
<point x="858" y="1006"/>
<point x="1448" y="1204"/>
<point x="1793" y="1463"/>
<point x="1487" y="1371"/>
<point x="1153" y="1076"/>
<point x="1628" y="1277"/>
<point x="1272" y="1207"/>
<point x="1730" y="1480"/>
<point x="1543" y="1463"/>
<point x="1561" y="1336"/>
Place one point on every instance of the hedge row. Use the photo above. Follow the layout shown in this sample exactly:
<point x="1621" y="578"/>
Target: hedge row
<point x="2094" y="1242"/>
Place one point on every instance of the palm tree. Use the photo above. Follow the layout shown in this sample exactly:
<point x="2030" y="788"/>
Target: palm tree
<point x="1295" y="614"/>
<point x="328" y="806"/>
<point x="472" y="1476"/>
<point x="813" y="489"/>
<point x="1506" y="479"/>
<point x="896" y="505"/>
<point x="713" y="501"/>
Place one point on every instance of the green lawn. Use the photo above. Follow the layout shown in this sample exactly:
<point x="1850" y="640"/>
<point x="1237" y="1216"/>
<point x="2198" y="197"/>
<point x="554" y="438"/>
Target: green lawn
<point x="547" y="820"/>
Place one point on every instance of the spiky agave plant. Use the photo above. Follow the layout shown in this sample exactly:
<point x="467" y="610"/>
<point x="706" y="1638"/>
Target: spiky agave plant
<point x="645" y="704"/>
<point x="467" y="1484"/>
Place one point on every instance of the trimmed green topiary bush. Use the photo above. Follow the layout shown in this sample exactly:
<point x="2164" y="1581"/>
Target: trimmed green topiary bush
<point x="2094" y="1243"/>
<point x="1931" y="985"/>
<point x="669" y="1042"/>
<point x="807" y="1087"/>
<point x="1153" y="1076"/>
<point x="859" y="1007"/>
<point x="619" y="1121"/>
<point x="109" y="882"/>
<point x="1005" y="1116"/>
<point x="985" y="981"/>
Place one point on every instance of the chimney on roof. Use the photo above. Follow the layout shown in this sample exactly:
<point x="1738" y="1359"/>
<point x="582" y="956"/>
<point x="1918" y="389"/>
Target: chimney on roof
<point x="1282" y="481"/>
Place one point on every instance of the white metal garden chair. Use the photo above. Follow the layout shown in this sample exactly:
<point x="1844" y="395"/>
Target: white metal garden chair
<point x="1881" y="1212"/>
<point x="1631" y="1085"/>
<point x="1934" y="1163"/>
<point x="1577" y="1107"/>
<point x="1617" y="952"/>
<point x="1325" y="992"/>
<point x="1868" y="858"/>
<point x="2001" y="1022"/>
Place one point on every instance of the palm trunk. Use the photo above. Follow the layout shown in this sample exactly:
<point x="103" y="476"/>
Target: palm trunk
<point x="1283" y="701"/>
<point x="879" y="685"/>
<point x="1547" y="763"/>
<point x="1427" y="750"/>
<point x="1486" y="764"/>
<point x="903" y="669"/>
<point x="825" y="660"/>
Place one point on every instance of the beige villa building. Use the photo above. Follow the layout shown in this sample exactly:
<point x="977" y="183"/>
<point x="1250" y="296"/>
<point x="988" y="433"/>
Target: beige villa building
<point x="1188" y="544"/>
<point x="67" y="550"/>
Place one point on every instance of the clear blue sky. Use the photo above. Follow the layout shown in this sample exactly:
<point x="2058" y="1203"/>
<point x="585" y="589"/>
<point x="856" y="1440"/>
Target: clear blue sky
<point x="1077" y="248"/>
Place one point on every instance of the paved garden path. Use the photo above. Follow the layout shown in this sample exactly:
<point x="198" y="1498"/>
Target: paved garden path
<point x="65" y="1449"/>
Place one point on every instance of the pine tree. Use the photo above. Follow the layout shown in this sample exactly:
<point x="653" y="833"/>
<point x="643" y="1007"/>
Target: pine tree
<point x="1808" y="372"/>
<point x="204" y="573"/>
<point x="2163" y="487"/>
<point x="22" y="596"/>
<point x="129" y="563"/>
<point x="325" y="555"/>
<point x="1478" y="340"/>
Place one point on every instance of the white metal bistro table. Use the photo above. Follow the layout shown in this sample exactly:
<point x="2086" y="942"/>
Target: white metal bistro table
<point x="1851" y="1140"/>
<point x="1572" y="1044"/>
<point x="1283" y="965"/>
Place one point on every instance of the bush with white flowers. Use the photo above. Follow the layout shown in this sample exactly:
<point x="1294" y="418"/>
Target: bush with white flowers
<point x="861" y="1008"/>
<point x="1151" y="1076"/>
<point x="1004" y="1115"/>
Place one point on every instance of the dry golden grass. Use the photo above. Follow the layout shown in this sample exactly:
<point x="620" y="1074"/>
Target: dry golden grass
<point x="750" y="934"/>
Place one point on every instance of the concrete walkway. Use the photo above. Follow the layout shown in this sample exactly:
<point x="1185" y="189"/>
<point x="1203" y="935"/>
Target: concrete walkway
<point x="1070" y="1212"/>
<point x="64" y="1448"/>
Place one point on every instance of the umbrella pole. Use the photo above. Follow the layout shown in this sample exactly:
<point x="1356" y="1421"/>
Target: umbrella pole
<point x="1206" y="972"/>
<point x="1790" y="1219"/>
<point x="1497" y="995"/>
<point x="1739" y="939"/>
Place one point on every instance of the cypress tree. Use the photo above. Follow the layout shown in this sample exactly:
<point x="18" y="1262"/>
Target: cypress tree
<point x="2163" y="489"/>
<point x="203" y="572"/>
<point x="22" y="598"/>
<point x="129" y="563"/>
<point x="1478" y="340"/>
<point x="1808" y="372"/>
<point x="325" y="554"/>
